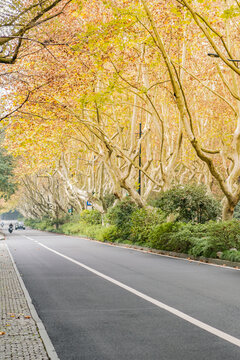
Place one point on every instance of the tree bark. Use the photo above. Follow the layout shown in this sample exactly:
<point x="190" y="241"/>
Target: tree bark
<point x="227" y="211"/>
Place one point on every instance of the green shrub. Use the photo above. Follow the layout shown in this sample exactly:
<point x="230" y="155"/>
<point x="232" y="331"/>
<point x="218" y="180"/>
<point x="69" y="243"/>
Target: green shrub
<point x="190" y="203"/>
<point x="92" y="231"/>
<point x="146" y="227"/>
<point x="142" y="222"/>
<point x="120" y="216"/>
<point x="199" y="239"/>
<point x="203" y="247"/>
<point x="217" y="236"/>
<point x="184" y="238"/>
<point x="160" y="235"/>
<point x="45" y="224"/>
<point x="180" y="240"/>
<point x="225" y="234"/>
<point x="231" y="255"/>
<point x="92" y="217"/>
<point x="81" y="228"/>
<point x="109" y="199"/>
<point x="32" y="223"/>
<point x="109" y="233"/>
<point x="73" y="228"/>
<point x="178" y="237"/>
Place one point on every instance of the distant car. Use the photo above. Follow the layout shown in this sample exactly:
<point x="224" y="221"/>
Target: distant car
<point x="19" y="226"/>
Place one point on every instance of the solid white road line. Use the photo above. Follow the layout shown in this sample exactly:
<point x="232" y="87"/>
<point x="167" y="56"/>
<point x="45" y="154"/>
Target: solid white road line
<point x="180" y="314"/>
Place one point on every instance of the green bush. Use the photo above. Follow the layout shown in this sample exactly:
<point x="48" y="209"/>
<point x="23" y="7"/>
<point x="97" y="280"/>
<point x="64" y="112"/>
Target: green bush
<point x="146" y="227"/>
<point x="190" y="203"/>
<point x="203" y="247"/>
<point x="92" y="217"/>
<point x="109" y="234"/>
<point x="109" y="199"/>
<point x="80" y="228"/>
<point x="199" y="239"/>
<point x="120" y="216"/>
<point x="92" y="231"/>
<point x="31" y="223"/>
<point x="231" y="255"/>
<point x="186" y="235"/>
<point x="73" y="228"/>
<point x="160" y="235"/>
<point x="44" y="224"/>
<point x="142" y="222"/>
<point x="181" y="238"/>
<point x="216" y="236"/>
<point x="225" y="234"/>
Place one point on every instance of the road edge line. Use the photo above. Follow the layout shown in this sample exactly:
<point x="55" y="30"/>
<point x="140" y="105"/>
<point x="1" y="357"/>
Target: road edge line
<point x="208" y="328"/>
<point x="151" y="251"/>
<point x="41" y="328"/>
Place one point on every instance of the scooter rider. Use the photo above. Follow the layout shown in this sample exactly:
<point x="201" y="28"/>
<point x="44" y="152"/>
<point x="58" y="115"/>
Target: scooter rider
<point x="10" y="228"/>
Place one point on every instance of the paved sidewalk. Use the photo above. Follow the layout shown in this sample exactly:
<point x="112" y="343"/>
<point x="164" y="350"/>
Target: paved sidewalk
<point x="19" y="336"/>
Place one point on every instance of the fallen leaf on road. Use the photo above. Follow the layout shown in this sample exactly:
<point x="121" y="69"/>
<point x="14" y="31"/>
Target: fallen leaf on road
<point x="27" y="317"/>
<point x="2" y="333"/>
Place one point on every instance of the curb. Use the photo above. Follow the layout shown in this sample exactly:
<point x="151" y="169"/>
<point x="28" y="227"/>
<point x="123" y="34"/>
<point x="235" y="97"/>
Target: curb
<point x="201" y="259"/>
<point x="224" y="263"/>
<point x="51" y="352"/>
<point x="211" y="261"/>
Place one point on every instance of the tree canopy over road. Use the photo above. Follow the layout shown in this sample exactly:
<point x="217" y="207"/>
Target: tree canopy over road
<point x="121" y="97"/>
<point x="17" y="17"/>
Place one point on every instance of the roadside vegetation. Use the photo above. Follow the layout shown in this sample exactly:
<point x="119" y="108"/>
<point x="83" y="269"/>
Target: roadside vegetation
<point x="7" y="181"/>
<point x="117" y="105"/>
<point x="183" y="220"/>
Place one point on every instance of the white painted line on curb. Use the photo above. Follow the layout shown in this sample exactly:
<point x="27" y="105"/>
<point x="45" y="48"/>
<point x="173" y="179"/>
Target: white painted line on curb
<point x="42" y="331"/>
<point x="163" y="255"/>
<point x="122" y="246"/>
<point x="180" y="314"/>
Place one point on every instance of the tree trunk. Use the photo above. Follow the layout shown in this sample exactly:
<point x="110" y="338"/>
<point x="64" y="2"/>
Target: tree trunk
<point x="228" y="209"/>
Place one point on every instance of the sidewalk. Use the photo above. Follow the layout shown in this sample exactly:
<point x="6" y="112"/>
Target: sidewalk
<point x="19" y="336"/>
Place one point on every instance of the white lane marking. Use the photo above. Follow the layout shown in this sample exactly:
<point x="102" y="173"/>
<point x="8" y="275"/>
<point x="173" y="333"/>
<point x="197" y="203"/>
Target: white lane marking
<point x="156" y="254"/>
<point x="180" y="314"/>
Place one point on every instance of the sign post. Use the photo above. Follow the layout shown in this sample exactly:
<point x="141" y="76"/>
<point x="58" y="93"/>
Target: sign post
<point x="70" y="211"/>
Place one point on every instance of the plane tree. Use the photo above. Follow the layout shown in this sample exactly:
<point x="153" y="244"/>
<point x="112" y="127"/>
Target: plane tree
<point x="222" y="42"/>
<point x="129" y="62"/>
<point x="18" y="17"/>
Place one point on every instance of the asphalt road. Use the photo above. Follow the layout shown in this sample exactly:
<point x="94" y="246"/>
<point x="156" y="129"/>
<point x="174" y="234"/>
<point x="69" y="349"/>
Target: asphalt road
<point x="89" y="317"/>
